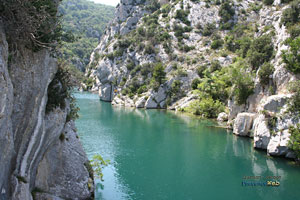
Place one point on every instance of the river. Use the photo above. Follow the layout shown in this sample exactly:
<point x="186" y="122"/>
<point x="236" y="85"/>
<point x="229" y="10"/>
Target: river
<point x="160" y="155"/>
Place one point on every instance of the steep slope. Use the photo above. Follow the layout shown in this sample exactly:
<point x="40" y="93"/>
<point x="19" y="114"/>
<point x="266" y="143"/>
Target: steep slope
<point x="237" y="58"/>
<point x="87" y="22"/>
<point x="35" y="161"/>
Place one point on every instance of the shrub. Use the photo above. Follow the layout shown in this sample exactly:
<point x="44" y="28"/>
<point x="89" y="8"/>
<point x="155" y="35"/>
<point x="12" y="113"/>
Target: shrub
<point x="215" y="65"/>
<point x="159" y="75"/>
<point x="261" y="51"/>
<point x="292" y="57"/>
<point x="226" y="12"/>
<point x="243" y="83"/>
<point x="130" y="65"/>
<point x="182" y="15"/>
<point x="294" y="142"/>
<point x="149" y="49"/>
<point x="265" y="72"/>
<point x="290" y="15"/>
<point x="59" y="91"/>
<point x="142" y="89"/>
<point x="195" y="83"/>
<point x="209" y="29"/>
<point x="294" y="31"/>
<point x="217" y="44"/>
<point x="175" y="88"/>
<point x="294" y="102"/>
<point x="200" y="70"/>
<point x="268" y="2"/>
<point x="33" y="23"/>
<point x="206" y="107"/>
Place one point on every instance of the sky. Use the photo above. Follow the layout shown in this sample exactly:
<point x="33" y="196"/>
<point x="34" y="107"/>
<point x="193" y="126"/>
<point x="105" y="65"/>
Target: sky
<point x="107" y="2"/>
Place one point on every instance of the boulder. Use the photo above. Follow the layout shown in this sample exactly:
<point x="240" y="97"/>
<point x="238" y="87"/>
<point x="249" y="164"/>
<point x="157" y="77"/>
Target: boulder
<point x="243" y="124"/>
<point x="222" y="117"/>
<point x="275" y="103"/>
<point x="140" y="103"/>
<point x="278" y="145"/>
<point x="262" y="133"/>
<point x="157" y="99"/>
<point x="106" y="92"/>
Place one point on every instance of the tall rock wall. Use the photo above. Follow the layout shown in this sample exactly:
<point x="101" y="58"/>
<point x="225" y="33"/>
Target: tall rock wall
<point x="28" y="134"/>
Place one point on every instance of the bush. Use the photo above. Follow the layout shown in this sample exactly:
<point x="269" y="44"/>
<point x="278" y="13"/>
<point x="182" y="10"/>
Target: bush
<point x="243" y="83"/>
<point x="226" y="12"/>
<point x="59" y="91"/>
<point x="195" y="83"/>
<point x="261" y="51"/>
<point x="149" y="49"/>
<point x="265" y="72"/>
<point x="215" y="65"/>
<point x="290" y="15"/>
<point x="182" y="15"/>
<point x="268" y="2"/>
<point x="216" y="44"/>
<point x="294" y="142"/>
<point x="206" y="107"/>
<point x="208" y="29"/>
<point x="159" y="75"/>
<point x="200" y="70"/>
<point x="294" y="102"/>
<point x="175" y="88"/>
<point x="130" y="65"/>
<point x="33" y="23"/>
<point x="292" y="57"/>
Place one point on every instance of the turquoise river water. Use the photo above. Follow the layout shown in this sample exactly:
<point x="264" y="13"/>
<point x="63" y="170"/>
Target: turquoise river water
<point x="160" y="155"/>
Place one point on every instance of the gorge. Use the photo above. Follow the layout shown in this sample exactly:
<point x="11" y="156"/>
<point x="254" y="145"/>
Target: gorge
<point x="231" y="60"/>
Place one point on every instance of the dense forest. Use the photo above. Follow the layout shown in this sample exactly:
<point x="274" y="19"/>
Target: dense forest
<point x="86" y="21"/>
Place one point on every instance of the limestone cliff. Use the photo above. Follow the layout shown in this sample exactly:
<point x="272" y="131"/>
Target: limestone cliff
<point x="34" y="162"/>
<point x="199" y="43"/>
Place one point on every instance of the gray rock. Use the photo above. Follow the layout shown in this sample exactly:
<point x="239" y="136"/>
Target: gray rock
<point x="140" y="103"/>
<point x="222" y="117"/>
<point x="6" y="105"/>
<point x="243" y="124"/>
<point x="275" y="103"/>
<point x="262" y="133"/>
<point x="106" y="92"/>
<point x="66" y="159"/>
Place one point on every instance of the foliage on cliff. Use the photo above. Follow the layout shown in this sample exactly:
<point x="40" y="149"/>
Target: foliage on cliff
<point x="86" y="21"/>
<point x="31" y="23"/>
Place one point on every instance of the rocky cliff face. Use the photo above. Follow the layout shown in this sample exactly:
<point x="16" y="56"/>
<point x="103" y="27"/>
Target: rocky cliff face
<point x="34" y="162"/>
<point x="183" y="35"/>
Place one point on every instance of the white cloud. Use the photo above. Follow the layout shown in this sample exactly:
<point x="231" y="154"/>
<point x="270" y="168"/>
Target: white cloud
<point x="108" y="2"/>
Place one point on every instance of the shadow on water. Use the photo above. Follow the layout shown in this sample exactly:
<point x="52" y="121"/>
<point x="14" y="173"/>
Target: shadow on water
<point x="157" y="154"/>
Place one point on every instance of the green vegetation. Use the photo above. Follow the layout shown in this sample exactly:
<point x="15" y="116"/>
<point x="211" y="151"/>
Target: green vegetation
<point x="159" y="75"/>
<point x="294" y="142"/>
<point x="292" y="57"/>
<point x="268" y="2"/>
<point x="291" y="15"/>
<point x="265" y="72"/>
<point x="33" y="24"/>
<point x="242" y="81"/>
<point x="59" y="91"/>
<point x="98" y="163"/>
<point x="294" y="102"/>
<point x="261" y="51"/>
<point x="226" y="12"/>
<point x="86" y="21"/>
